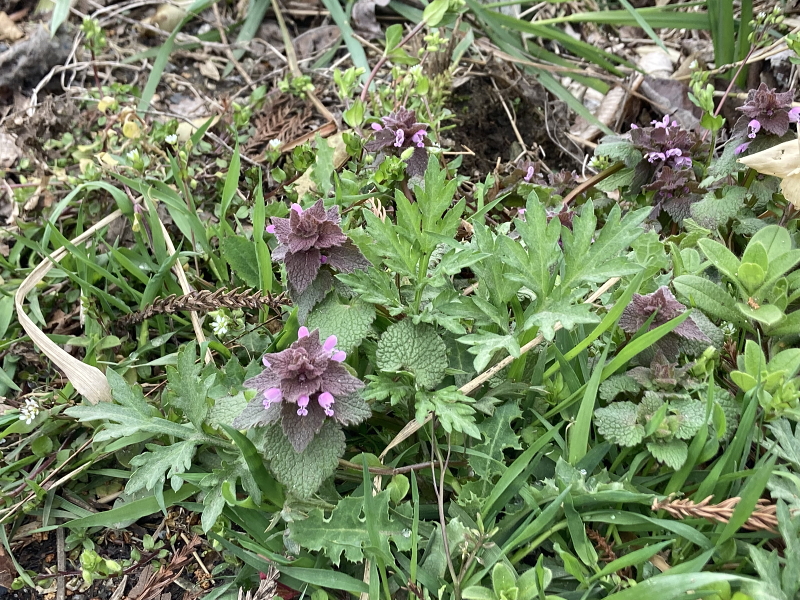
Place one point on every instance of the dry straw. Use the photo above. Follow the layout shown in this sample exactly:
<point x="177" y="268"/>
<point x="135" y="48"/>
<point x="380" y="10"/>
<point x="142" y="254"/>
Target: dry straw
<point x="763" y="517"/>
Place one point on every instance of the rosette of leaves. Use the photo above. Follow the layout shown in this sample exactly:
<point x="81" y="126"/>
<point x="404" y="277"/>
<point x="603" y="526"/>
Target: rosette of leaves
<point x="661" y="425"/>
<point x="761" y="285"/>
<point x="659" y="308"/>
<point x="506" y="585"/>
<point x="775" y="382"/>
<point x="313" y="247"/>
<point x="765" y="110"/>
<point x="305" y="395"/>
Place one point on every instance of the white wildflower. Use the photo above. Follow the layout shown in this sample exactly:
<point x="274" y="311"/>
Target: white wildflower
<point x="171" y="139"/>
<point x="221" y="324"/>
<point x="29" y="412"/>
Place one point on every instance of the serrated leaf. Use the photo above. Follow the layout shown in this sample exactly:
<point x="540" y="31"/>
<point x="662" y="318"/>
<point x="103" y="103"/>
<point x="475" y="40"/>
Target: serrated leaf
<point x="672" y="453"/>
<point x="323" y="167"/>
<point x="618" y="384"/>
<point x="158" y="463"/>
<point x="498" y="435"/>
<point x="134" y="416"/>
<point x="185" y="389"/>
<point x="692" y="416"/>
<point x="618" y="423"/>
<point x="226" y="409"/>
<point x="417" y="349"/>
<point x="713" y="212"/>
<point x="240" y="253"/>
<point x="349" y="322"/>
<point x="303" y="473"/>
<point x="345" y="531"/>
<point x="452" y="409"/>
<point x="568" y="316"/>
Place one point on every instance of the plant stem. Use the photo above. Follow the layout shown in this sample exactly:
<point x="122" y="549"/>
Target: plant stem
<point x="417" y="28"/>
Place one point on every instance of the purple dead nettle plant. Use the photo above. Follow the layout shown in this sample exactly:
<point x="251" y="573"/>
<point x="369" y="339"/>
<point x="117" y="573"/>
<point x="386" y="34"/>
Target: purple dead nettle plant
<point x="764" y="110"/>
<point x="665" y="143"/>
<point x="310" y="242"/>
<point x="301" y="387"/>
<point x="399" y="131"/>
<point x="674" y="193"/>
<point x="665" y="307"/>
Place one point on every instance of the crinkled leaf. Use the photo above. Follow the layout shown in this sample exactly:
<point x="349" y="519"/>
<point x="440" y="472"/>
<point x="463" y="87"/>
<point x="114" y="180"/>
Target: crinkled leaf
<point x="303" y="473"/>
<point x="185" y="389"/>
<point x="617" y="422"/>
<point x="713" y="212"/>
<point x="672" y="453"/>
<point x="417" y="349"/>
<point x="345" y="531"/>
<point x="313" y="294"/>
<point x="709" y="297"/>
<point x="692" y="415"/>
<point x="226" y="409"/>
<point x="497" y="435"/>
<point x="618" y="384"/>
<point x="158" y="463"/>
<point x="349" y="322"/>
<point x="619" y="148"/>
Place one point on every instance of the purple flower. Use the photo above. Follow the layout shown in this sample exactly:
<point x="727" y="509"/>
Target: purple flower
<point x="753" y="127"/>
<point x="312" y="238"/>
<point x="301" y="387"/>
<point x="665" y="307"/>
<point x="741" y="148"/>
<point x="401" y="130"/>
<point x="770" y="108"/>
<point x="794" y="114"/>
<point x="529" y="174"/>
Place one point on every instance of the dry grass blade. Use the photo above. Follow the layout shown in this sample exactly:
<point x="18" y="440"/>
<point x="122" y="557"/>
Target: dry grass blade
<point x="763" y="518"/>
<point x="267" y="589"/>
<point x="151" y="584"/>
<point x="204" y="301"/>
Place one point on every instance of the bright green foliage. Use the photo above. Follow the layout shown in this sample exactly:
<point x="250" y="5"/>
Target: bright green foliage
<point x="762" y="290"/>
<point x="160" y="462"/>
<point x="349" y="321"/>
<point x="775" y="381"/>
<point x="780" y="576"/>
<point x="507" y="586"/>
<point x="664" y="425"/>
<point x="345" y="531"/>
<point x="417" y="349"/>
<point x="451" y="407"/>
<point x="303" y="473"/>
<point x="498" y="435"/>
<point x="323" y="168"/>
<point x="240" y="254"/>
<point x="186" y="390"/>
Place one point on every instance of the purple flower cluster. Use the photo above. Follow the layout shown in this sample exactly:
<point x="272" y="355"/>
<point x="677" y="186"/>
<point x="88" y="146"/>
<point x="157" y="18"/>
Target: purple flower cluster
<point x="398" y="131"/>
<point x="301" y="387"/>
<point x="665" y="143"/>
<point x="309" y="239"/>
<point x="764" y="110"/>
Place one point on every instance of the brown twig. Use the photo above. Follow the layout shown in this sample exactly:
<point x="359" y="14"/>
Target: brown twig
<point x="763" y="517"/>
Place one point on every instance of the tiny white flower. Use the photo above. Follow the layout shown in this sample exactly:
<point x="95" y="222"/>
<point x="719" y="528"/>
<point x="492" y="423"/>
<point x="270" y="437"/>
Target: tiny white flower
<point x="220" y="325"/>
<point x="133" y="155"/>
<point x="29" y="412"/>
<point x="275" y="144"/>
<point x="171" y="139"/>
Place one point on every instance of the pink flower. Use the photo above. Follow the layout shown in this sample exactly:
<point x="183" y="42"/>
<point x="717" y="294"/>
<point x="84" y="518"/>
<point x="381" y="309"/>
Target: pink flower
<point x="753" y="127"/>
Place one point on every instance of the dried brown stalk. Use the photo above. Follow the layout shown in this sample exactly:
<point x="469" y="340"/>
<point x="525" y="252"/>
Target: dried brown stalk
<point x="204" y="301"/>
<point x="763" y="516"/>
<point x="151" y="584"/>
<point x="267" y="589"/>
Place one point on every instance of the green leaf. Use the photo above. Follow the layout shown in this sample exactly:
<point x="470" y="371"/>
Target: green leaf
<point x="768" y="314"/>
<point x="226" y="409"/>
<point x="451" y="407"/>
<point x="672" y="453"/>
<point x="130" y="416"/>
<point x="131" y="512"/>
<point x="326" y="578"/>
<point x="713" y="212"/>
<point x="498" y="435"/>
<point x="240" y="253"/>
<point x="414" y="348"/>
<point x="434" y="12"/>
<point x="349" y="322"/>
<point x="503" y="580"/>
<point x="723" y="259"/>
<point x="60" y="14"/>
<point x="708" y="297"/>
<point x="775" y="239"/>
<point x="618" y="423"/>
<point x="345" y="531"/>
<point x="569" y="316"/>
<point x="789" y="326"/>
<point x="323" y="168"/>
<point x="161" y="462"/>
<point x="303" y="473"/>
<point x="185" y="389"/>
<point x="751" y="276"/>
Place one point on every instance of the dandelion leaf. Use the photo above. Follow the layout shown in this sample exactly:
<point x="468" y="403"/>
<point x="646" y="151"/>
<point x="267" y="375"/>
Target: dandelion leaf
<point x="498" y="435"/>
<point x="161" y="462"/>
<point x="417" y="349"/>
<point x="345" y="531"/>
<point x="186" y="390"/>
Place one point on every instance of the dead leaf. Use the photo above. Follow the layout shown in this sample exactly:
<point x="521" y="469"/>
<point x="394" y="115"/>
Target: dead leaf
<point x="9" y="152"/>
<point x="781" y="161"/>
<point x="316" y="40"/>
<point x="655" y="62"/>
<point x="209" y="69"/>
<point x="364" y="17"/>
<point x="167" y="16"/>
<point x="7" y="569"/>
<point x="607" y="113"/>
<point x="304" y="183"/>
<point x="9" y="31"/>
